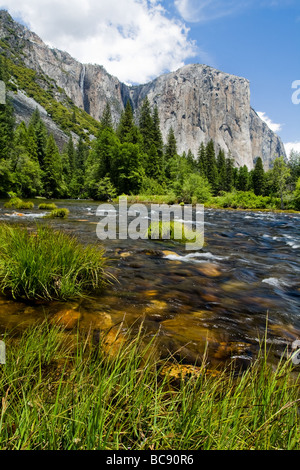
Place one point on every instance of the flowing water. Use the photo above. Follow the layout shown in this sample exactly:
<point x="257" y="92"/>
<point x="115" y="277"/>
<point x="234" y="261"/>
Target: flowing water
<point x="218" y="298"/>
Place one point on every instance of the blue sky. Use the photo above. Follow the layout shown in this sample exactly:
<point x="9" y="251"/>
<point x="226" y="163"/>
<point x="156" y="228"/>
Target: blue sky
<point x="259" y="41"/>
<point x="137" y="40"/>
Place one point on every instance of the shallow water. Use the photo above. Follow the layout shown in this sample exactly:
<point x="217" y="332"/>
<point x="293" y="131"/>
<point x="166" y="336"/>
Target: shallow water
<point x="218" y="297"/>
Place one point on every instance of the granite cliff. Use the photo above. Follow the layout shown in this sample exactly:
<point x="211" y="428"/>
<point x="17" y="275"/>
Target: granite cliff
<point x="197" y="101"/>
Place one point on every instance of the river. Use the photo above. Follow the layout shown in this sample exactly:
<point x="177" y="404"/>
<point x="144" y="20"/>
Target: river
<point x="217" y="299"/>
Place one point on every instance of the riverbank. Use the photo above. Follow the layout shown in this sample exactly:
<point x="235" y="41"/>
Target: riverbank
<point x="220" y="203"/>
<point x="59" y="395"/>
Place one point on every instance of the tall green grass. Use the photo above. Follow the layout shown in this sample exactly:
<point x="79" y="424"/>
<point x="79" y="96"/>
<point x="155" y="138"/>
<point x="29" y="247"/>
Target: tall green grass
<point x="61" y="213"/>
<point x="47" y="206"/>
<point x="55" y="398"/>
<point x="48" y="264"/>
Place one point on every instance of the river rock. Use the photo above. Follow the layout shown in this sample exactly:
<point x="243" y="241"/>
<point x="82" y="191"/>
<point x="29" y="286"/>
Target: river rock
<point x="67" y="318"/>
<point x="156" y="307"/>
<point x="99" y="320"/>
<point x="209" y="269"/>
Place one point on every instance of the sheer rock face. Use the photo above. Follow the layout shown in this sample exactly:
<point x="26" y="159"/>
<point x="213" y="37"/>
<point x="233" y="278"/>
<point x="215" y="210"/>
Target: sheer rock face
<point x="200" y="103"/>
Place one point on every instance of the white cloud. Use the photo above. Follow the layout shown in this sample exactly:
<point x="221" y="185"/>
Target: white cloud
<point x="196" y="11"/>
<point x="272" y="125"/>
<point x="200" y="11"/>
<point x="133" y="39"/>
<point x="289" y="146"/>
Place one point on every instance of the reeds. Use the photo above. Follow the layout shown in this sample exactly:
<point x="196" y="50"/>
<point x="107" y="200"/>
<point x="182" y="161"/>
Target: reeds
<point x="55" y="398"/>
<point x="48" y="264"/>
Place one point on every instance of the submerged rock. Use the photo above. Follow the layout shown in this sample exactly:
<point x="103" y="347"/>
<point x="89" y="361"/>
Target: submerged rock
<point x="67" y="318"/>
<point x="209" y="269"/>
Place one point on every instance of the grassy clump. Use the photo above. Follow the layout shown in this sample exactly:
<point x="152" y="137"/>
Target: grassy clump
<point x="172" y="230"/>
<point x="169" y="199"/>
<point x="17" y="203"/>
<point x="47" y="206"/>
<point x="59" y="213"/>
<point x="58" y="399"/>
<point x="47" y="264"/>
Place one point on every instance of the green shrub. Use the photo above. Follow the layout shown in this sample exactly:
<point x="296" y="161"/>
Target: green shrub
<point x="246" y="200"/>
<point x="47" y="264"/>
<point x="48" y="207"/>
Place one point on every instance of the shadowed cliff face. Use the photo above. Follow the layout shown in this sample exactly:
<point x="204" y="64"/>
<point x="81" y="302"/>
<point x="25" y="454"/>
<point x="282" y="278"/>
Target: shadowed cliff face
<point x="199" y="102"/>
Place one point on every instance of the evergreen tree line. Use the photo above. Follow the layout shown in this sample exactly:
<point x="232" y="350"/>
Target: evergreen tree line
<point x="129" y="158"/>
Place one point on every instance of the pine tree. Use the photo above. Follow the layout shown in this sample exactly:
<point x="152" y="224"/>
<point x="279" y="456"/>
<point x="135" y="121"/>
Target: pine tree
<point x="280" y="174"/>
<point x="106" y="120"/>
<point x="170" y="152"/>
<point x="201" y="160"/>
<point x="211" y="166"/>
<point x="243" y="178"/>
<point x="258" y="177"/>
<point x="127" y="130"/>
<point x="154" y="169"/>
<point x="146" y="125"/>
<point x="26" y="171"/>
<point x="229" y="174"/>
<point x="52" y="175"/>
<point x="157" y="135"/>
<point x="41" y="135"/>
<point x="7" y="123"/>
<point x="191" y="161"/>
<point x="80" y="154"/>
<point x="71" y="154"/>
<point x="221" y="166"/>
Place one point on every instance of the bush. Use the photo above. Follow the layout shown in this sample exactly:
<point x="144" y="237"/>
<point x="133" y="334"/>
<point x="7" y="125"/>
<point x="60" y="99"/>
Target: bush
<point x="194" y="189"/>
<point x="47" y="207"/>
<point x="246" y="200"/>
<point x="47" y="264"/>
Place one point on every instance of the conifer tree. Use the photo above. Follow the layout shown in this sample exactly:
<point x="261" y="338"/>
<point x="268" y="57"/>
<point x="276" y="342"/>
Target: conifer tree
<point x="154" y="168"/>
<point x="127" y="130"/>
<point x="146" y="125"/>
<point x="243" y="178"/>
<point x="7" y="122"/>
<point x="40" y="134"/>
<point x="80" y="154"/>
<point x="157" y="135"/>
<point x="201" y="160"/>
<point x="221" y="166"/>
<point x="106" y="120"/>
<point x="52" y="175"/>
<point x="71" y="154"/>
<point x="229" y="174"/>
<point x="170" y="152"/>
<point x="258" y="177"/>
<point x="211" y="166"/>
